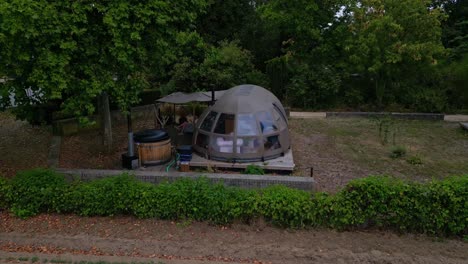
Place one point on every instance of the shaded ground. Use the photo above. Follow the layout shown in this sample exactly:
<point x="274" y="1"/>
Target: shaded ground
<point x="85" y="150"/>
<point x="22" y="146"/>
<point x="127" y="237"/>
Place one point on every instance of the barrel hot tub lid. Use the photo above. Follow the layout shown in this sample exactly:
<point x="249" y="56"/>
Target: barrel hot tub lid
<point x="150" y="135"/>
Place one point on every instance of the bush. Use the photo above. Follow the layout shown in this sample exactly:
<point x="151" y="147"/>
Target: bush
<point x="106" y="197"/>
<point x="35" y="191"/>
<point x="397" y="152"/>
<point x="286" y="207"/>
<point x="4" y="190"/>
<point x="436" y="208"/>
<point x="414" y="160"/>
<point x="254" y="169"/>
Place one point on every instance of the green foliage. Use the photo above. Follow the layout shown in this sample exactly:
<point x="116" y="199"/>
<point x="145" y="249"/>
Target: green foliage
<point x="35" y="191"/>
<point x="313" y="86"/>
<point x="438" y="207"/>
<point x="72" y="52"/>
<point x="388" y="37"/>
<point x="286" y="207"/>
<point x="4" y="190"/>
<point x="414" y="160"/>
<point x="397" y="152"/>
<point x="220" y="67"/>
<point x="254" y="169"/>
<point x="108" y="196"/>
<point x="387" y="128"/>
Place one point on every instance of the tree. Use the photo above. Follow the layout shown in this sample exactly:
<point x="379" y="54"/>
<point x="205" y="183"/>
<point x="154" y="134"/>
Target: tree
<point x="221" y="67"/>
<point x="387" y="37"/>
<point x="73" y="51"/>
<point x="303" y="69"/>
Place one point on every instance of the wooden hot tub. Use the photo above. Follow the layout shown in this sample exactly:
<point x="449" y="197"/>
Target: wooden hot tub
<point x="153" y="147"/>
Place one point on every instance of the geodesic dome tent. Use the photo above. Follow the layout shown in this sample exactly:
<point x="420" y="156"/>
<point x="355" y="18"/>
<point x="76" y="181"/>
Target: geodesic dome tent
<point x="248" y="123"/>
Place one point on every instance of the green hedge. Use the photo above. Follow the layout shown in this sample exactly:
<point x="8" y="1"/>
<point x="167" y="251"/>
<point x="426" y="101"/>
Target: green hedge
<point x="438" y="207"/>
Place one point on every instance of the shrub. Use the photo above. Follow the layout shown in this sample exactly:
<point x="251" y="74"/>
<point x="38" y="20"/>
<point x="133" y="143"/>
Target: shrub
<point x="35" y="191"/>
<point x="254" y="169"/>
<point x="376" y="201"/>
<point x="286" y="207"/>
<point x="437" y="208"/>
<point x="108" y="196"/>
<point x="4" y="190"/>
<point x="414" y="160"/>
<point x="398" y="152"/>
<point x="444" y="207"/>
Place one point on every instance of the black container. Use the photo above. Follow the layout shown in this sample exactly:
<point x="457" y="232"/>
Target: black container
<point x="184" y="150"/>
<point x="129" y="162"/>
<point x="150" y="135"/>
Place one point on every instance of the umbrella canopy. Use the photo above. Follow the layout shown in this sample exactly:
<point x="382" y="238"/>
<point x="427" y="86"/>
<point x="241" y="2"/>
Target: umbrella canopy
<point x="183" y="98"/>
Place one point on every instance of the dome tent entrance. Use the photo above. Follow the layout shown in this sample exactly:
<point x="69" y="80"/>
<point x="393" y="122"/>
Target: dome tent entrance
<point x="248" y="123"/>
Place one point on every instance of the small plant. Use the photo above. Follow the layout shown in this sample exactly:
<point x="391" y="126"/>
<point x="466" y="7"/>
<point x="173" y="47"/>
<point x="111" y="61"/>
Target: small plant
<point x="414" y="160"/>
<point x="34" y="259"/>
<point x="387" y="128"/>
<point x="398" y="152"/>
<point x="23" y="258"/>
<point x="254" y="169"/>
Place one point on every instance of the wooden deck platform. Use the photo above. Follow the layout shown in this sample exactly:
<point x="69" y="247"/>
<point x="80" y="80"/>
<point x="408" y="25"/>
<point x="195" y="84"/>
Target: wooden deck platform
<point x="283" y="163"/>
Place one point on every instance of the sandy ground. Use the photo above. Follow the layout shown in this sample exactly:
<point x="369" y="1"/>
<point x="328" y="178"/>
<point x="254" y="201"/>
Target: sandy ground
<point x="126" y="238"/>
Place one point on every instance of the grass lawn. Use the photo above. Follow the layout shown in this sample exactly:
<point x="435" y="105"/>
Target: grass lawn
<point x="434" y="149"/>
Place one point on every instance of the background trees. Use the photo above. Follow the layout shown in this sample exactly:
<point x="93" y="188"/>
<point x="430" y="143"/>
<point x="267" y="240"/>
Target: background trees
<point x="72" y="51"/>
<point x="365" y="54"/>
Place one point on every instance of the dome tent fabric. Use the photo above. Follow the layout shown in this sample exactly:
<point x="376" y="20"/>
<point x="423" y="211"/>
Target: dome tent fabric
<point x="248" y="123"/>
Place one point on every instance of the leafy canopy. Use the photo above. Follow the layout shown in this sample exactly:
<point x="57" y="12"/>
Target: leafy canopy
<point x="72" y="51"/>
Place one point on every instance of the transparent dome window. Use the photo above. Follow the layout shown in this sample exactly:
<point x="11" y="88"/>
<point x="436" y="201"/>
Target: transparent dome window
<point x="225" y="144"/>
<point x="249" y="145"/>
<point x="279" y="120"/>
<point x="271" y="143"/>
<point x="209" y="121"/>
<point x="246" y="125"/>
<point x="202" y="140"/>
<point x="267" y="124"/>
<point x="225" y="124"/>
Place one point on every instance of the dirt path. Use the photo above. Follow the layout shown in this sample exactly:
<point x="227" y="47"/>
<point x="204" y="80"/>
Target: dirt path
<point x="127" y="237"/>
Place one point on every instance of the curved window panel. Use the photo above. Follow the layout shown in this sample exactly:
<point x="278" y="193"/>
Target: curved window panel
<point x="271" y="143"/>
<point x="279" y="120"/>
<point x="209" y="121"/>
<point x="280" y="113"/>
<point x="225" y="124"/>
<point x="249" y="145"/>
<point x="202" y="141"/>
<point x="267" y="124"/>
<point x="225" y="144"/>
<point x="246" y="125"/>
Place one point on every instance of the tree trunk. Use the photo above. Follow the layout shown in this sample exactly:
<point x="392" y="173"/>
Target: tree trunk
<point x="106" y="122"/>
<point x="380" y="85"/>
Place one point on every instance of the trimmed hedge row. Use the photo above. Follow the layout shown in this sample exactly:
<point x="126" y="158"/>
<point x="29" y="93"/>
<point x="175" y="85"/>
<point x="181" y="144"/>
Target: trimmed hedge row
<point x="439" y="207"/>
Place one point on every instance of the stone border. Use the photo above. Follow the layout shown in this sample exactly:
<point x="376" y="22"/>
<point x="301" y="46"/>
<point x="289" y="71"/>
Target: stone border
<point x="235" y="180"/>
<point x="409" y="116"/>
